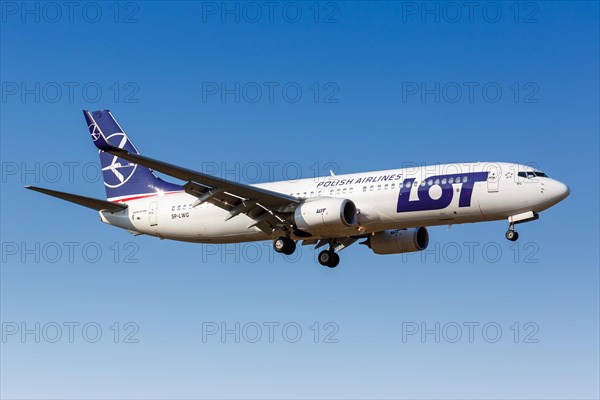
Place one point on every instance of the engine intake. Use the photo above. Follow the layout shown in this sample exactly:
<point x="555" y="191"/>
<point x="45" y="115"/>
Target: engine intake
<point x="325" y="215"/>
<point x="399" y="241"/>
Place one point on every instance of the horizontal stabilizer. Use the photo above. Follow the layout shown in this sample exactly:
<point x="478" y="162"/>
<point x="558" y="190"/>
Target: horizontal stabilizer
<point x="89" y="202"/>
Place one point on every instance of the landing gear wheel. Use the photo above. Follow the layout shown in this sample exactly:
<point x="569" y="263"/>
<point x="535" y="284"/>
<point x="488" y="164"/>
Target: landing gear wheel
<point x="290" y="247"/>
<point x="279" y="244"/>
<point x="284" y="245"/>
<point x="335" y="260"/>
<point x="512" y="235"/>
<point x="329" y="258"/>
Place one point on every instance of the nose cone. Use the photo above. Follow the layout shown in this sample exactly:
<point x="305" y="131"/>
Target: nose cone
<point x="559" y="191"/>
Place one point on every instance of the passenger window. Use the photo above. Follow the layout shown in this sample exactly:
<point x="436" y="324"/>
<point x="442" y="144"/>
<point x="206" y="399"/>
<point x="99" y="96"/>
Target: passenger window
<point x="319" y="192"/>
<point x="444" y="181"/>
<point x="312" y="194"/>
<point x="378" y="187"/>
<point x="364" y="188"/>
<point x="451" y="180"/>
<point x="371" y="188"/>
<point x="173" y="208"/>
<point x="437" y="181"/>
<point x="351" y="189"/>
<point x="179" y="207"/>
<point x="430" y="182"/>
<point x="393" y="186"/>
<point x="385" y="187"/>
<point x="464" y="179"/>
<point x="184" y="206"/>
<point x="344" y="191"/>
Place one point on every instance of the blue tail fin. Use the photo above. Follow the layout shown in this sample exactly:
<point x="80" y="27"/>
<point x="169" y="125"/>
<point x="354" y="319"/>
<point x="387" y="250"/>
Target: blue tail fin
<point x="123" y="180"/>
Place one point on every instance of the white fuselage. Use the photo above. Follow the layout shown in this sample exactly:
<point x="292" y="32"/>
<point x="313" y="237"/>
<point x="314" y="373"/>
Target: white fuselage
<point x="377" y="196"/>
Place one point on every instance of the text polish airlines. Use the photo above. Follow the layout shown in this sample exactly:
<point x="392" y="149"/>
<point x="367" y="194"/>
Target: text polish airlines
<point x="389" y="210"/>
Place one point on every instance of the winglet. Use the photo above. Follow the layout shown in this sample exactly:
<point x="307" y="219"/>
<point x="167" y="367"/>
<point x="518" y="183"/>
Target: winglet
<point x="96" y="133"/>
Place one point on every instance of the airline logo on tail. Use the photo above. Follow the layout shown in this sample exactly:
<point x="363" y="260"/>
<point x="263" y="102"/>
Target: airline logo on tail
<point x="121" y="169"/>
<point x="122" y="179"/>
<point x="94" y="132"/>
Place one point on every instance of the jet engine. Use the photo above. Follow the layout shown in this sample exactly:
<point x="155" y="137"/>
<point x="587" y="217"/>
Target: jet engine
<point x="329" y="214"/>
<point x="398" y="241"/>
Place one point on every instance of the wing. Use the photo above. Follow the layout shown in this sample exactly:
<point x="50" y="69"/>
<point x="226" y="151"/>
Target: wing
<point x="269" y="210"/>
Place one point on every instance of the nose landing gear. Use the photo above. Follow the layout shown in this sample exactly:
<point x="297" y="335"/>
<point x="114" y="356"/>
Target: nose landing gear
<point x="528" y="216"/>
<point x="511" y="234"/>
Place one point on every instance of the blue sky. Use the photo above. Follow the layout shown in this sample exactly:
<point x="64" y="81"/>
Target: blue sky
<point x="289" y="90"/>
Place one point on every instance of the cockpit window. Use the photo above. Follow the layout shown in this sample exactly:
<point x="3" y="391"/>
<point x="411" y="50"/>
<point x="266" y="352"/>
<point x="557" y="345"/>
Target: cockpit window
<point x="532" y="174"/>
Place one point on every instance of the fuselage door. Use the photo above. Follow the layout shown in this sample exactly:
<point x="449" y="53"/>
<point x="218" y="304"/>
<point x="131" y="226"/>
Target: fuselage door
<point x="493" y="181"/>
<point x="152" y="213"/>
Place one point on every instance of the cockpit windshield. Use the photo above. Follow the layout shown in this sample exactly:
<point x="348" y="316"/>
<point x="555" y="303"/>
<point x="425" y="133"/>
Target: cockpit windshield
<point x="532" y="174"/>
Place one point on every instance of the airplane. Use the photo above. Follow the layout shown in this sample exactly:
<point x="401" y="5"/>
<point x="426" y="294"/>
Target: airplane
<point x="390" y="210"/>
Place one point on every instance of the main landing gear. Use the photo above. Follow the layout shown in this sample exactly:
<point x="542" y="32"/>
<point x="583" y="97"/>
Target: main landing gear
<point x="511" y="234"/>
<point x="329" y="258"/>
<point x="284" y="245"/>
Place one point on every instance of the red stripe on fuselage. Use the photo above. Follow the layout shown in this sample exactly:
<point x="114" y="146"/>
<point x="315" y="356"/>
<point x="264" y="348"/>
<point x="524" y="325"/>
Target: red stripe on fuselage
<point x="141" y="197"/>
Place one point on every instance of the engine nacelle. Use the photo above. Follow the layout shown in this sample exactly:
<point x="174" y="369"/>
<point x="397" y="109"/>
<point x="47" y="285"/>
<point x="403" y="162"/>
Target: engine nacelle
<point x="325" y="215"/>
<point x="399" y="241"/>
